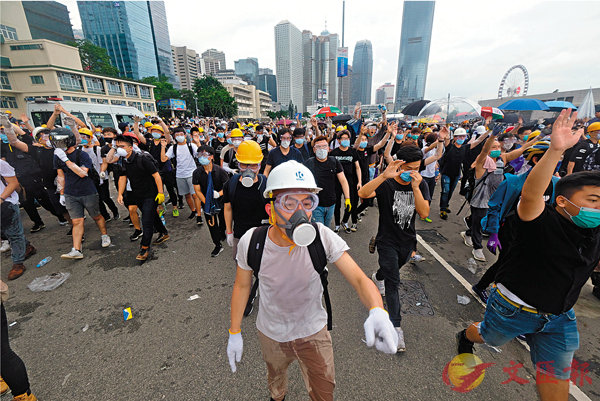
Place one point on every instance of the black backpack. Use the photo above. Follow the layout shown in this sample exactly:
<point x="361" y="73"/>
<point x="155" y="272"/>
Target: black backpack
<point x="317" y="256"/>
<point x="189" y="146"/>
<point x="92" y="173"/>
<point x="143" y="154"/>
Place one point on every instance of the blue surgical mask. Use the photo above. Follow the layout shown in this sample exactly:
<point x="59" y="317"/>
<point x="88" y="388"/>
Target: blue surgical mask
<point x="84" y="141"/>
<point x="229" y="141"/>
<point x="525" y="138"/>
<point x="156" y="135"/>
<point x="364" y="144"/>
<point x="586" y="218"/>
<point x="460" y="141"/>
<point x="4" y="138"/>
<point x="300" y="141"/>
<point x="187" y="130"/>
<point x="415" y="136"/>
<point x="220" y="134"/>
<point x="345" y="142"/>
<point x="405" y="176"/>
<point x="495" y="153"/>
<point x="399" y="136"/>
<point x="203" y="160"/>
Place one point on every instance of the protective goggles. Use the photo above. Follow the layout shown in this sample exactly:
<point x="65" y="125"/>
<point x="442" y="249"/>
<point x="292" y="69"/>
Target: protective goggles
<point x="288" y="203"/>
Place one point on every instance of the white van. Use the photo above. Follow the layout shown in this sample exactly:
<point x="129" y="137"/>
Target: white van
<point x="103" y="115"/>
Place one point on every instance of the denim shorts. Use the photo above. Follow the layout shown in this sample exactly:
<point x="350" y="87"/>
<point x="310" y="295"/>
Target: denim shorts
<point x="553" y="339"/>
<point x="76" y="204"/>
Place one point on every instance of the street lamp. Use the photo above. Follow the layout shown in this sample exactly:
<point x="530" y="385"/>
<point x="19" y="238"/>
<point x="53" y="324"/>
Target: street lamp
<point x="196" y="101"/>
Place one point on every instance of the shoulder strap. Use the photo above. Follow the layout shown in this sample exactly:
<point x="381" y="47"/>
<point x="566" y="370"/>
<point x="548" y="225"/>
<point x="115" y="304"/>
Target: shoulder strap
<point x="256" y="248"/>
<point x="189" y="145"/>
<point x="319" y="261"/>
<point x="262" y="184"/>
<point x="232" y="183"/>
<point x="78" y="157"/>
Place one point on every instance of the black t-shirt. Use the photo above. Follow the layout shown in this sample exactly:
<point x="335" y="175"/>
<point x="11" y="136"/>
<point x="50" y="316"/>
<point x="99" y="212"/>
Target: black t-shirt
<point x="452" y="160"/>
<point x="397" y="213"/>
<point x="25" y="165"/>
<point x="248" y="206"/>
<point x="347" y="158"/>
<point x="230" y="159"/>
<point x="155" y="150"/>
<point x="219" y="178"/>
<point x="325" y="174"/>
<point x="364" y="155"/>
<point x="558" y="262"/>
<point x="304" y="150"/>
<point x="74" y="184"/>
<point x="217" y="146"/>
<point x="139" y="169"/>
<point x="276" y="157"/>
<point x="585" y="155"/>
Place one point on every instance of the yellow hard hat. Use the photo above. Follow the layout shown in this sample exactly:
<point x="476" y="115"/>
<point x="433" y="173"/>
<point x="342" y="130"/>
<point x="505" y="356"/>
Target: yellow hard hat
<point x="85" y="131"/>
<point x="534" y="134"/>
<point x="44" y="125"/>
<point x="249" y="152"/>
<point x="236" y="133"/>
<point x="427" y="130"/>
<point x="593" y="127"/>
<point x="8" y="112"/>
<point x="200" y="130"/>
<point x="156" y="127"/>
<point x="147" y="124"/>
<point x="340" y="128"/>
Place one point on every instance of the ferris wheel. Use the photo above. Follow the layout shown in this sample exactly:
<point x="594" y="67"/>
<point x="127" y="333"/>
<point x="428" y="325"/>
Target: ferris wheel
<point x="515" y="82"/>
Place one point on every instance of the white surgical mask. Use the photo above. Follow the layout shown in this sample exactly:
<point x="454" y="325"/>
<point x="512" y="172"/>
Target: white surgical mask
<point x="321" y="154"/>
<point x="180" y="139"/>
<point x="285" y="144"/>
<point x="121" y="152"/>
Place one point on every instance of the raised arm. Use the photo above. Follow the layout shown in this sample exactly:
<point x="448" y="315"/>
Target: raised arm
<point x="480" y="161"/>
<point x="53" y="117"/>
<point x="77" y="120"/>
<point x="25" y="120"/>
<point x="9" y="130"/>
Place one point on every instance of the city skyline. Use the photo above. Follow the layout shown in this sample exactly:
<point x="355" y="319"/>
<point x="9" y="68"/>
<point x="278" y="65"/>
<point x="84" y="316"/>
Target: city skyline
<point x="467" y="60"/>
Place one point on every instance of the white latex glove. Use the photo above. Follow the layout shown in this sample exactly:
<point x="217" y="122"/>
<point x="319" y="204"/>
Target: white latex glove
<point x="103" y="175"/>
<point x="62" y="201"/>
<point x="230" y="239"/>
<point x="235" y="347"/>
<point x="61" y="155"/>
<point x="216" y="195"/>
<point x="380" y="331"/>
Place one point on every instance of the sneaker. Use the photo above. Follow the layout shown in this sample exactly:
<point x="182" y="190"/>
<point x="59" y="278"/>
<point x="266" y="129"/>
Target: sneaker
<point x="116" y="217"/>
<point x="448" y="211"/>
<point x="136" y="235"/>
<point x="143" y="255"/>
<point x="372" y="245"/>
<point x="215" y="252"/>
<point x="192" y="215"/>
<point x="63" y="222"/>
<point x="353" y="228"/>
<point x="17" y="271"/>
<point x="347" y="228"/>
<point x="161" y="238"/>
<point x="5" y="246"/>
<point x="522" y="337"/>
<point x="481" y="293"/>
<point x="105" y="241"/>
<point x="107" y="219"/>
<point x="37" y="227"/>
<point x="74" y="254"/>
<point x="417" y="258"/>
<point x="467" y="221"/>
<point x="478" y="255"/>
<point x="427" y="220"/>
<point x="25" y="397"/>
<point x="379" y="283"/>
<point x="362" y="214"/>
<point x="463" y="344"/>
<point x="175" y="212"/>
<point x="199" y="221"/>
<point x="30" y="251"/>
<point x="443" y="215"/>
<point x="401" y="344"/>
<point x="466" y="239"/>
<point x="336" y="229"/>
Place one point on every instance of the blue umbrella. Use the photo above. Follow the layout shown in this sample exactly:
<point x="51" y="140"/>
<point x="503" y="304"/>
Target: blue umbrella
<point x="559" y="105"/>
<point x="524" y="104"/>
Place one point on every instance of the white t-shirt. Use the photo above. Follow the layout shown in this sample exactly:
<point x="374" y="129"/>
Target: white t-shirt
<point x="290" y="305"/>
<point x="185" y="161"/>
<point x="429" y="171"/>
<point x="6" y="170"/>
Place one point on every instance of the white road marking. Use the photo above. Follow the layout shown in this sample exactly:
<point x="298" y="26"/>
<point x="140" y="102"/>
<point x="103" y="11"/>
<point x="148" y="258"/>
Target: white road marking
<point x="573" y="389"/>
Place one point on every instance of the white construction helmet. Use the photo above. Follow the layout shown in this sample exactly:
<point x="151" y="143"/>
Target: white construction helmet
<point x="290" y="175"/>
<point x="480" y="130"/>
<point x="460" y="131"/>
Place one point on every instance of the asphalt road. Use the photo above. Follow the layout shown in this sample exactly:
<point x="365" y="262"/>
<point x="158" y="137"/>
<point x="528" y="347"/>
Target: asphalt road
<point x="76" y="345"/>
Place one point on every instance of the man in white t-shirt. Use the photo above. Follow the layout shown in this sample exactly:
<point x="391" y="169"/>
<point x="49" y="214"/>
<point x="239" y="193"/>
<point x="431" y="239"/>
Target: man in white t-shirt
<point x="291" y="319"/>
<point x="185" y="165"/>
<point x="11" y="225"/>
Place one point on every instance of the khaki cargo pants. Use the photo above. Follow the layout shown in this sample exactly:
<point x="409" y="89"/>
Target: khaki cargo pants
<point x="315" y="356"/>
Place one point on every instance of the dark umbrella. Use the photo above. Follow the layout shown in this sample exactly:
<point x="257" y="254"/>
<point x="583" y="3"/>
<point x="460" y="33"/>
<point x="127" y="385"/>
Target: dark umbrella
<point x="509" y="118"/>
<point x="342" y="118"/>
<point x="414" y="108"/>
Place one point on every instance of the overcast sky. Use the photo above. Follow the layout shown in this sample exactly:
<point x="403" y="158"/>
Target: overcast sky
<point x="473" y="42"/>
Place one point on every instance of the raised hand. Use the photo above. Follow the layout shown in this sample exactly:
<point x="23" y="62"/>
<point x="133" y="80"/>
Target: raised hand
<point x="444" y="133"/>
<point x="563" y="137"/>
<point x="416" y="178"/>
<point x="393" y="170"/>
<point x="4" y="121"/>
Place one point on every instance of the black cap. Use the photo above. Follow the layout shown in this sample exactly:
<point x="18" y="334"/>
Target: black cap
<point x="123" y="126"/>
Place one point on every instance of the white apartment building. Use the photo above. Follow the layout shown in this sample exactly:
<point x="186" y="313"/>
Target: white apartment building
<point x="186" y="66"/>
<point x="252" y="103"/>
<point x="288" y="65"/>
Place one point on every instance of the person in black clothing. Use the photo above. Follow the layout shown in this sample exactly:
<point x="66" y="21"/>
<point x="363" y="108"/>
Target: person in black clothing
<point x="283" y="152"/>
<point x="218" y="144"/>
<point x="206" y="178"/>
<point x="146" y="190"/>
<point x="564" y="255"/>
<point x="585" y="155"/>
<point x="299" y="137"/>
<point x="348" y="157"/>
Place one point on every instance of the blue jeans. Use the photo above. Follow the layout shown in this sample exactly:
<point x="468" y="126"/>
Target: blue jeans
<point x="448" y="185"/>
<point x="390" y="261"/>
<point x="553" y="339"/>
<point x="323" y="214"/>
<point x="13" y="230"/>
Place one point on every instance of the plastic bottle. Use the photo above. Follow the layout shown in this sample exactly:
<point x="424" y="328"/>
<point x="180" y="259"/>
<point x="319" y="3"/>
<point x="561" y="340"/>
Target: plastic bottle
<point x="44" y="261"/>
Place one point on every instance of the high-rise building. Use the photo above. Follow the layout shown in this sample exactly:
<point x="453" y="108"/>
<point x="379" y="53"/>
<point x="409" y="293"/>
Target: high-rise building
<point x="134" y="33"/>
<point x="214" y="60"/>
<point x="320" y="84"/>
<point x="362" y="72"/>
<point x="186" y="66"/>
<point x="25" y="20"/>
<point x="267" y="82"/>
<point x="346" y="85"/>
<point x="288" y="65"/>
<point x="385" y="94"/>
<point x="247" y="69"/>
<point x="415" y="41"/>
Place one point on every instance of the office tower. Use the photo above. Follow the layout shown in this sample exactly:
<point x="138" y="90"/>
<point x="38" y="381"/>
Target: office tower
<point x="162" y="41"/>
<point x="247" y="69"/>
<point x="267" y="81"/>
<point x="26" y="20"/>
<point x="415" y="41"/>
<point x="214" y="61"/>
<point x="288" y="65"/>
<point x="186" y="66"/>
<point x="385" y="94"/>
<point x="320" y="84"/>
<point x="362" y="72"/>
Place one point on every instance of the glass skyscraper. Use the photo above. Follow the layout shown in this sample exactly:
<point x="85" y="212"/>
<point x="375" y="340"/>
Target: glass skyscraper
<point x="362" y="72"/>
<point x="267" y="82"/>
<point x="162" y="41"/>
<point x="48" y="20"/>
<point x="247" y="69"/>
<point x="415" y="41"/>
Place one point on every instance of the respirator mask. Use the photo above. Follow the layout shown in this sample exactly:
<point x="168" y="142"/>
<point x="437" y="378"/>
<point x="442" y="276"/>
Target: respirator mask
<point x="298" y="228"/>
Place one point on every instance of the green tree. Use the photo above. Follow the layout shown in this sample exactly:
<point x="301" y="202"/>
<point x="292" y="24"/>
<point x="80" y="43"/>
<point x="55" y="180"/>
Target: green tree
<point x="306" y="114"/>
<point x="94" y="58"/>
<point x="213" y="99"/>
<point x="164" y="89"/>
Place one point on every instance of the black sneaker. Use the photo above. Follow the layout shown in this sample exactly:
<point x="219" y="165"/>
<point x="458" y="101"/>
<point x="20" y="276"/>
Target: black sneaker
<point x="161" y="238"/>
<point x="443" y="215"/>
<point x="463" y="344"/>
<point x="215" y="252"/>
<point x="347" y="228"/>
<point x="192" y="215"/>
<point x="116" y="217"/>
<point x="372" y="245"/>
<point x="199" y="220"/>
<point x="107" y="219"/>
<point x="481" y="293"/>
<point x="136" y="235"/>
<point x="37" y="227"/>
